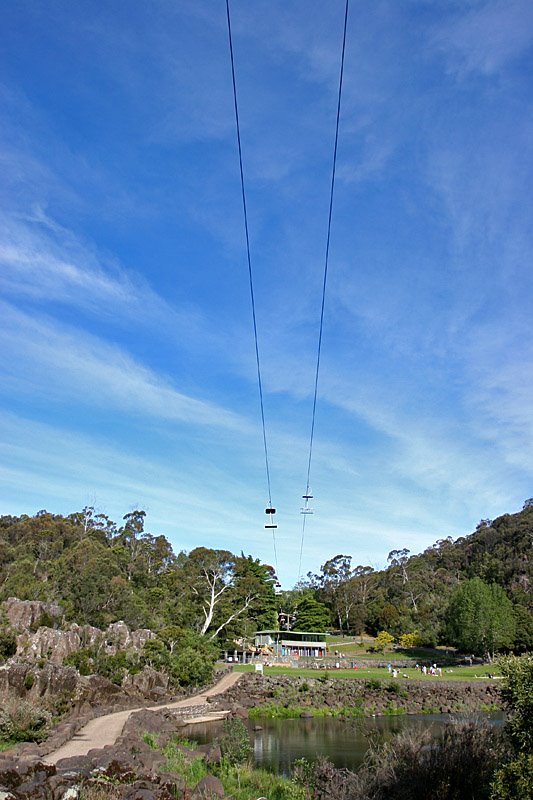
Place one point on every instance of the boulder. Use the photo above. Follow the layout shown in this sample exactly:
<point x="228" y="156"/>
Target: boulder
<point x="149" y="683"/>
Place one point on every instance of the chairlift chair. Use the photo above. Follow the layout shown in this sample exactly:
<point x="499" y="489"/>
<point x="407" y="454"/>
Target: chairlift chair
<point x="270" y="511"/>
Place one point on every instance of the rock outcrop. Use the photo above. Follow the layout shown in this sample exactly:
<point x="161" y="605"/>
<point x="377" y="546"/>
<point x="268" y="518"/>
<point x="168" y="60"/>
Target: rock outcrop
<point x="53" y="684"/>
<point x="25" y="615"/>
<point x="55" y="641"/>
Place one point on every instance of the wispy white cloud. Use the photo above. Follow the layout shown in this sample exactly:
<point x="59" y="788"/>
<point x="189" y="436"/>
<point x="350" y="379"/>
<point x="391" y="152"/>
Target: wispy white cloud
<point x="39" y="355"/>
<point x="47" y="466"/>
<point x="43" y="261"/>
<point x="487" y="37"/>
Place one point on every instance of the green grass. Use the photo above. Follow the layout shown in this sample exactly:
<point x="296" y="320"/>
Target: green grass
<point x="191" y="770"/>
<point x="150" y="739"/>
<point x="277" y="711"/>
<point x="240" y="783"/>
<point x="245" y="782"/>
<point x="461" y="673"/>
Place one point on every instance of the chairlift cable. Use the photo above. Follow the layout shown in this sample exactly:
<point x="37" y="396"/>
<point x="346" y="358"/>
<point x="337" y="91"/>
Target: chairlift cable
<point x="250" y="274"/>
<point x="306" y="496"/>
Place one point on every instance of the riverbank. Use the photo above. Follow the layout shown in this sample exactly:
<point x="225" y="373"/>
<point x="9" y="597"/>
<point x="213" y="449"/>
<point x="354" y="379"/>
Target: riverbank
<point x="293" y="695"/>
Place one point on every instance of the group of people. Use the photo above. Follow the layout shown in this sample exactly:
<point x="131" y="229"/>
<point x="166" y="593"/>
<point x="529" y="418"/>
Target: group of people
<point x="432" y="670"/>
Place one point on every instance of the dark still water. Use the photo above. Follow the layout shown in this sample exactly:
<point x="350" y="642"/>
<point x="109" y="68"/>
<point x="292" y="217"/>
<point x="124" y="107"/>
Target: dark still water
<point x="282" y="741"/>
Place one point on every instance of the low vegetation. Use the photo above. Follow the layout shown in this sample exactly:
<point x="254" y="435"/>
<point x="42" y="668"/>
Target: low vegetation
<point x="22" y="721"/>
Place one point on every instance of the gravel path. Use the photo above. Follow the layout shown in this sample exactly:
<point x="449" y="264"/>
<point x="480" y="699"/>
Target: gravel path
<point x="105" y="730"/>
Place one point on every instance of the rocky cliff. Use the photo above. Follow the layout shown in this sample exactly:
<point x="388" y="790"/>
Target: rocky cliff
<point x="55" y="640"/>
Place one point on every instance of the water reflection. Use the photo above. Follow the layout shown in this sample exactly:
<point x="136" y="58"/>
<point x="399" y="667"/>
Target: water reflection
<point x="281" y="741"/>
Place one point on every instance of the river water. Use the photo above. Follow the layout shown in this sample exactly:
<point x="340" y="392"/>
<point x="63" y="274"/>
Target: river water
<point x="281" y="741"/>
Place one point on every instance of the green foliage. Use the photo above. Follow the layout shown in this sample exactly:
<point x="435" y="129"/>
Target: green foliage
<point x="21" y="721"/>
<point x="155" y="654"/>
<point x="517" y="693"/>
<point x="245" y="782"/>
<point x="480" y="618"/>
<point x="234" y="742"/>
<point x="514" y="781"/>
<point x="312" y="615"/>
<point x="523" y="642"/>
<point x="392" y="710"/>
<point x="191" y="770"/>
<point x="291" y="711"/>
<point x="151" y="740"/>
<point x="29" y="680"/>
<point x="8" y="642"/>
<point x="94" y="660"/>
<point x="192" y="668"/>
<point x="101" y="573"/>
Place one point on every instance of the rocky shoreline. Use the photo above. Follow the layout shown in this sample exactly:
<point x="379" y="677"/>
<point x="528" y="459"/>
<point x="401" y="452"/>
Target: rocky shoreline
<point x="134" y="767"/>
<point x="370" y="697"/>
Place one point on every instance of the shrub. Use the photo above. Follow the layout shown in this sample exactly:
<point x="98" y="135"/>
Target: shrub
<point x="235" y="743"/>
<point x="8" y="642"/>
<point x="192" y="668"/>
<point x="21" y="721"/>
<point x="458" y="764"/>
<point x="408" y="640"/>
<point x="28" y="681"/>
<point x="514" y="781"/>
<point x="517" y="693"/>
<point x="383" y="641"/>
<point x="94" y="660"/>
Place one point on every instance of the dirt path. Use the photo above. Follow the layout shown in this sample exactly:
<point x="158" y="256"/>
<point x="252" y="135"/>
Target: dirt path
<point x="105" y="730"/>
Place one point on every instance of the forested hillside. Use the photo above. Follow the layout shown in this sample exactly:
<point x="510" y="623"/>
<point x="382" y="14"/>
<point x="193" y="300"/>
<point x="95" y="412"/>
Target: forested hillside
<point x="477" y="586"/>
<point x="414" y="593"/>
<point x="100" y="573"/>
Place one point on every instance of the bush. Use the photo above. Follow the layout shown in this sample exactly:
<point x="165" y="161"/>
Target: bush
<point x="383" y="641"/>
<point x="235" y="743"/>
<point x="517" y="694"/>
<point x="8" y="642"/>
<point x="21" y="721"/>
<point x="460" y="764"/>
<point x="95" y="661"/>
<point x="514" y="781"/>
<point x="408" y="640"/>
<point x="192" y="668"/>
<point x="28" y="681"/>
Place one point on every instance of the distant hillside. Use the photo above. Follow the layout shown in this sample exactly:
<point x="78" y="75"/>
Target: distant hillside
<point x="100" y="572"/>
<point x="414" y="591"/>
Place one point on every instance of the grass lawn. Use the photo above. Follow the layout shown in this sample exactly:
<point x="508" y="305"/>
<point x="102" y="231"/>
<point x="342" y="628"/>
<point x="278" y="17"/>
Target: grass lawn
<point x="354" y="647"/>
<point x="466" y="673"/>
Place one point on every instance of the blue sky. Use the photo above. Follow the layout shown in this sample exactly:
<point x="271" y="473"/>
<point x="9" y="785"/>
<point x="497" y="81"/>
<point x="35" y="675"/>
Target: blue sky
<point x="126" y="349"/>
